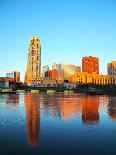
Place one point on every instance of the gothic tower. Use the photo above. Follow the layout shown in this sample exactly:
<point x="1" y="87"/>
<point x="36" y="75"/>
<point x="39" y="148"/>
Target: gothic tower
<point x="34" y="60"/>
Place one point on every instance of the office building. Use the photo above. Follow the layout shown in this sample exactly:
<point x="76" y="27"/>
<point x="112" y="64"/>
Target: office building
<point x="90" y="64"/>
<point x="13" y="74"/>
<point x="111" y="68"/>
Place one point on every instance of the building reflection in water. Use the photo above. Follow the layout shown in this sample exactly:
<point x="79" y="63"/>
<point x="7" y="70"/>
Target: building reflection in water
<point x="32" y="105"/>
<point x="90" y="105"/>
<point x="12" y="99"/>
<point x="64" y="106"/>
<point x="112" y="107"/>
<point x="70" y="106"/>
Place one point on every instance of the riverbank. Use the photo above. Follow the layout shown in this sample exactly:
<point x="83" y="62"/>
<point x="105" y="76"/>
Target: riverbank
<point x="78" y="88"/>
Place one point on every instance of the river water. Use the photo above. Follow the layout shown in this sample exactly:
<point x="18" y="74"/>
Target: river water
<point x="57" y="124"/>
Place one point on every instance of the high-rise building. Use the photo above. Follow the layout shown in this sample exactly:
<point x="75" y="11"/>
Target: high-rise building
<point x="34" y="60"/>
<point x="90" y="64"/>
<point x="45" y="70"/>
<point x="13" y="74"/>
<point x="111" y="68"/>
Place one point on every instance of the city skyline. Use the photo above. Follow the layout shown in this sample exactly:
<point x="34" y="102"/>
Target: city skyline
<point x="64" y="35"/>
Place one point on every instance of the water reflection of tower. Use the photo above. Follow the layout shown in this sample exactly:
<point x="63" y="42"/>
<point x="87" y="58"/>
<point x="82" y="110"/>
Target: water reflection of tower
<point x="32" y="105"/>
<point x="90" y="105"/>
<point x="112" y="107"/>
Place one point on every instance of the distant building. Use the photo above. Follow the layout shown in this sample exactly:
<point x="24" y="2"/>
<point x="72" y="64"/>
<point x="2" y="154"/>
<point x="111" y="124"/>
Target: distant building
<point x="13" y="74"/>
<point x="34" y="60"/>
<point x="77" y="69"/>
<point x="53" y="73"/>
<point x="111" y="68"/>
<point x="45" y="70"/>
<point x="54" y="66"/>
<point x="90" y="64"/>
<point x="7" y="82"/>
<point x="66" y="69"/>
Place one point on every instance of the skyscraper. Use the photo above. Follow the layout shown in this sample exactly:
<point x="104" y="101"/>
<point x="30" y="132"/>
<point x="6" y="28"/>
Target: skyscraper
<point x="90" y="64"/>
<point x="34" y="60"/>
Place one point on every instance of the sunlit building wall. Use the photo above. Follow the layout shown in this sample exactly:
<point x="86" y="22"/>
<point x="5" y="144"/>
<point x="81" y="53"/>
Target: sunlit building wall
<point x="112" y="79"/>
<point x="79" y="78"/>
<point x="46" y="80"/>
<point x="53" y="73"/>
<point x="84" y="77"/>
<point x="34" y="60"/>
<point x="90" y="64"/>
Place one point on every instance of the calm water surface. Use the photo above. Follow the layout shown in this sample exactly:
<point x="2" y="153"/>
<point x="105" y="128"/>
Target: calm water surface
<point x="57" y="124"/>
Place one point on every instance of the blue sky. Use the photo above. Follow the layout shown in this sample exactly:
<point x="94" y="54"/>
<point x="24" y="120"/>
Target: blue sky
<point x="68" y="29"/>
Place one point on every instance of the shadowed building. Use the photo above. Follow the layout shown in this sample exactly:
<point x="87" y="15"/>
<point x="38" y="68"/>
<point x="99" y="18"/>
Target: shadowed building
<point x="34" y="60"/>
<point x="32" y="105"/>
<point x="45" y="70"/>
<point x="111" y="68"/>
<point x="90" y="64"/>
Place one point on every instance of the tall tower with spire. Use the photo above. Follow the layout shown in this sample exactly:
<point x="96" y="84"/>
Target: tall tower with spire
<point x="33" y="70"/>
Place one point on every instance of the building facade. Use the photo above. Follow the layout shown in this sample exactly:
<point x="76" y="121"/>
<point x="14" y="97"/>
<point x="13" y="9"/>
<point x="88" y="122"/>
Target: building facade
<point x="13" y="74"/>
<point x="93" y="78"/>
<point x="46" y="81"/>
<point x="45" y="70"/>
<point x="90" y="64"/>
<point x="111" y="68"/>
<point x="34" y="60"/>
<point x="66" y="69"/>
<point x="54" y="66"/>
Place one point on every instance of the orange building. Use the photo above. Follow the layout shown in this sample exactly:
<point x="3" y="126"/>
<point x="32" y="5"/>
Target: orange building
<point x="53" y="73"/>
<point x="32" y="105"/>
<point x="90" y="64"/>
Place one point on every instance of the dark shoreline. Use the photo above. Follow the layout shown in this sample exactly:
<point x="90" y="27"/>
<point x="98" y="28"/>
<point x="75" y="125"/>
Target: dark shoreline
<point x="91" y="89"/>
